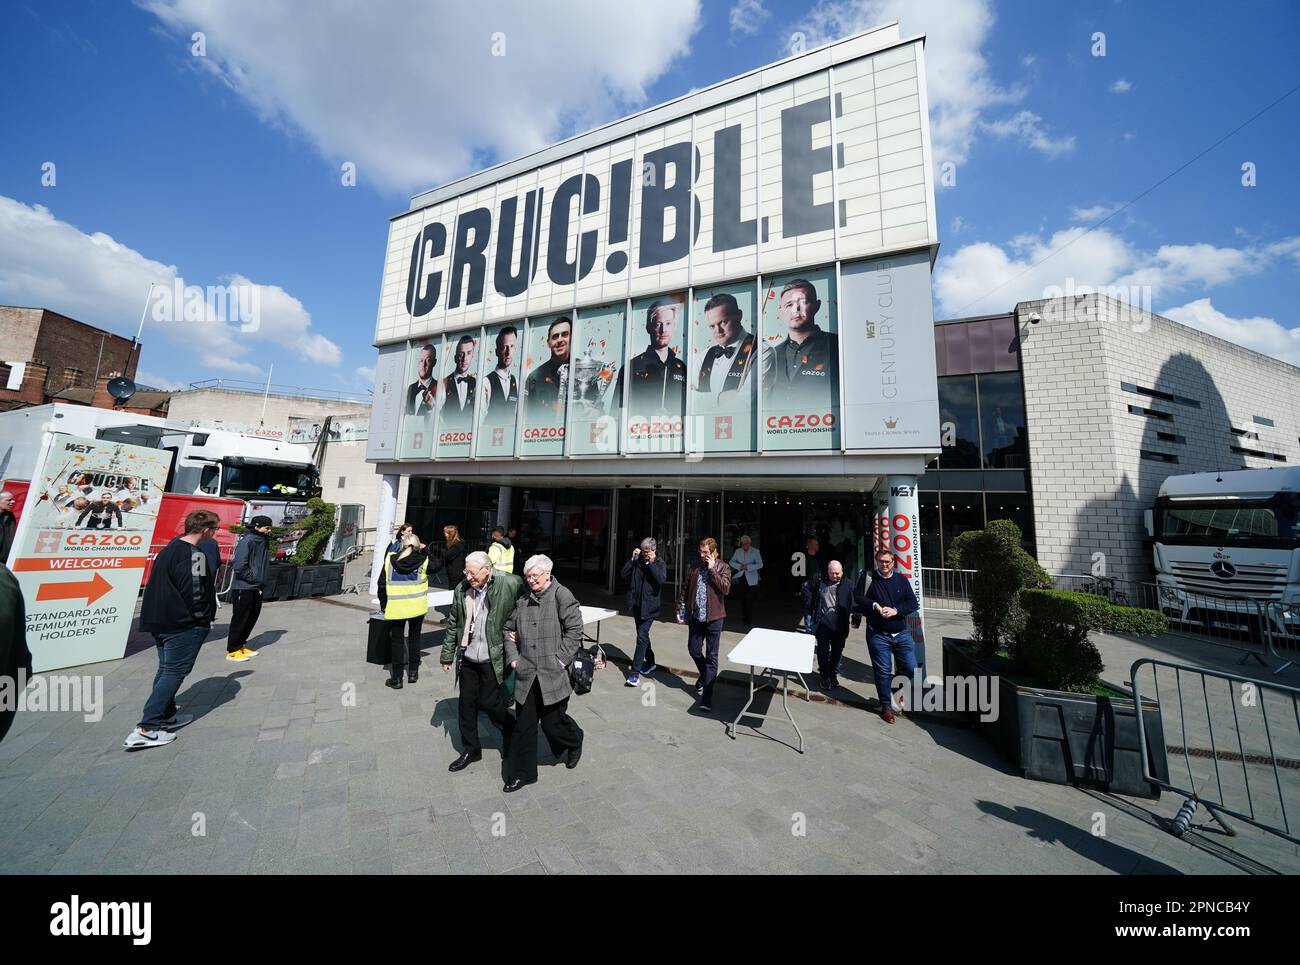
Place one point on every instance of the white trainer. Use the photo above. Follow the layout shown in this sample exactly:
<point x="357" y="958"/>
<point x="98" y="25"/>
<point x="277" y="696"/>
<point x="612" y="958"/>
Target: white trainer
<point x="138" y="739"/>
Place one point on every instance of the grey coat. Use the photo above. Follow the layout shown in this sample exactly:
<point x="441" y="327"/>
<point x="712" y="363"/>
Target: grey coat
<point x="549" y="630"/>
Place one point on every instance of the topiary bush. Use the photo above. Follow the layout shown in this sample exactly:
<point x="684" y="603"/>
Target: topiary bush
<point x="1053" y="644"/>
<point x="1002" y="569"/>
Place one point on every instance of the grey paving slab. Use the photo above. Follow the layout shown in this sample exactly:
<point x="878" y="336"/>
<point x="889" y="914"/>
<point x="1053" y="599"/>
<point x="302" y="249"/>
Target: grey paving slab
<point x="287" y="778"/>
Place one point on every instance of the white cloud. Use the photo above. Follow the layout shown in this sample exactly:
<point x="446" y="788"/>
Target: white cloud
<point x="1092" y="214"/>
<point x="366" y="373"/>
<point x="1259" y="333"/>
<point x="961" y="90"/>
<point x="964" y="281"/>
<point x="52" y="264"/>
<point x="164" y="382"/>
<point x="1029" y="127"/>
<point x="748" y="16"/>
<point x="413" y="93"/>
<point x="959" y="225"/>
<point x="1121" y="86"/>
<point x="1028" y="60"/>
<point x="1130" y="136"/>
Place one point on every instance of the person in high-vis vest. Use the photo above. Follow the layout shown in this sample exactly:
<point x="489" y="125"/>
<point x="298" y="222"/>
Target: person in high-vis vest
<point x="501" y="552"/>
<point x="404" y="596"/>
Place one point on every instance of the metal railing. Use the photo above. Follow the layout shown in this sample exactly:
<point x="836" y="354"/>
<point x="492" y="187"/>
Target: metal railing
<point x="295" y="391"/>
<point x="944" y="589"/>
<point x="1238" y="744"/>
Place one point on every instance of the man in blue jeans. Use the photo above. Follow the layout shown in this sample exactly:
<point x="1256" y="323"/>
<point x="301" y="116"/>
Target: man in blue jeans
<point x="887" y="601"/>
<point x="645" y="574"/>
<point x="179" y="605"/>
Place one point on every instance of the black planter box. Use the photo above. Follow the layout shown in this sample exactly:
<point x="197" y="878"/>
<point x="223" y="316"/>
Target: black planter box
<point x="1068" y="738"/>
<point x="281" y="582"/>
<point x="322" y="579"/>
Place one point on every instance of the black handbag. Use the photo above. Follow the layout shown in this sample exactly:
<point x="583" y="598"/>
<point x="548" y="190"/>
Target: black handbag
<point x="378" y="649"/>
<point x="581" y="672"/>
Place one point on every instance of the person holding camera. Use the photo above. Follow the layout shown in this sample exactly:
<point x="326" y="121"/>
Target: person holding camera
<point x="645" y="574"/>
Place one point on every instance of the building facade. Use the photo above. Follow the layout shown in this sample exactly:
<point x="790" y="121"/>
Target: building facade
<point x="709" y="318"/>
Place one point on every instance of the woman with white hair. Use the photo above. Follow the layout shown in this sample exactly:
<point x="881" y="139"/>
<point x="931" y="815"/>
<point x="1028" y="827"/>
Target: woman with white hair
<point x="404" y="597"/>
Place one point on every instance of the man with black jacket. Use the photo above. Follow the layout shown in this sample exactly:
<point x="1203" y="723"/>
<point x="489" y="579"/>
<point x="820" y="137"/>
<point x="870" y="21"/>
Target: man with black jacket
<point x="246" y="587"/>
<point x="15" y="658"/>
<point x="8" y="524"/>
<point x="887" y="601"/>
<point x="830" y="600"/>
<point x="180" y="602"/>
<point x="645" y="574"/>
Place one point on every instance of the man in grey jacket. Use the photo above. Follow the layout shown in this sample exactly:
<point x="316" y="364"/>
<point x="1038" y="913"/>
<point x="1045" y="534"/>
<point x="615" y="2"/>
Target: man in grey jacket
<point x="542" y="637"/>
<point x="246" y="587"/>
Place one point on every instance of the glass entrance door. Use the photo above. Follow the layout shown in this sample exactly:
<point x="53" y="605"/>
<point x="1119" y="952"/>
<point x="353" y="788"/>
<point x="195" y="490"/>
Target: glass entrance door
<point x="664" y="524"/>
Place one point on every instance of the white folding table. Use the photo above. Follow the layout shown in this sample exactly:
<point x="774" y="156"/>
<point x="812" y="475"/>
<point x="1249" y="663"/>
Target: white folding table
<point x="777" y="652"/>
<point x="595" y="614"/>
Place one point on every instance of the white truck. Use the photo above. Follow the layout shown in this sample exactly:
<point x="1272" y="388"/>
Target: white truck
<point x="1231" y="536"/>
<point x="272" y="478"/>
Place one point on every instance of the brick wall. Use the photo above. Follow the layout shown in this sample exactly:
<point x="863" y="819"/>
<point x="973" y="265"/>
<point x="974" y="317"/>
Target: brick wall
<point x="64" y="343"/>
<point x="1091" y="482"/>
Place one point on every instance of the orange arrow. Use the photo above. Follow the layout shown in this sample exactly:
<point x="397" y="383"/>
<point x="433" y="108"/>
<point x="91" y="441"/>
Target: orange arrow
<point x="91" y="589"/>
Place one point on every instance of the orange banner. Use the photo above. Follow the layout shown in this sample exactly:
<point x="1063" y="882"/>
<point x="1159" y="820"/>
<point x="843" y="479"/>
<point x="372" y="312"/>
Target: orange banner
<point x="31" y="564"/>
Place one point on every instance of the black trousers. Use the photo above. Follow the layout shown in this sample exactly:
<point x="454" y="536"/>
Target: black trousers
<point x="562" y="733"/>
<point x="247" y="607"/>
<point x="745" y="593"/>
<point x="702" y="642"/>
<point x="404" y="651"/>
<point x="830" y="647"/>
<point x="479" y="690"/>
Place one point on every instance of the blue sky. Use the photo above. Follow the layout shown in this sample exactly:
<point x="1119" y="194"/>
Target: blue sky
<point x="227" y="166"/>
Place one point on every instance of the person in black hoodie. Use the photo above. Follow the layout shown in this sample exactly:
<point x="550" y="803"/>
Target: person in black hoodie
<point x="251" y="559"/>
<point x="180" y="602"/>
<point x="887" y="600"/>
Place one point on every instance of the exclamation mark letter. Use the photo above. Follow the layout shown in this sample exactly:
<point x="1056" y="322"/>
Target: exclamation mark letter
<point x="620" y="214"/>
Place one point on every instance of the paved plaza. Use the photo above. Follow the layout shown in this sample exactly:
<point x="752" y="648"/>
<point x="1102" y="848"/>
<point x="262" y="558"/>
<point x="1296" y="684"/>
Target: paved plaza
<point x="302" y="761"/>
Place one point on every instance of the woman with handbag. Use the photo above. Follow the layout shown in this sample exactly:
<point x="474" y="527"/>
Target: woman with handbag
<point x="404" y="597"/>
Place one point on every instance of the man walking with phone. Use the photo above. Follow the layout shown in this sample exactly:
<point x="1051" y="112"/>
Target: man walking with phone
<point x="702" y="605"/>
<point x="887" y="601"/>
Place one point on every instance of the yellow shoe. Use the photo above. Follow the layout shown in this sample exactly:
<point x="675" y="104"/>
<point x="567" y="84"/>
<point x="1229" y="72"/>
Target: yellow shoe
<point x="247" y="653"/>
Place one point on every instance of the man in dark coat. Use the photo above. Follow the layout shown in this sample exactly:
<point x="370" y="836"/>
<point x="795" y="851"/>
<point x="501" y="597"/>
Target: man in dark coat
<point x="542" y="638"/>
<point x="645" y="574"/>
<point x="8" y="524"/>
<point x="14" y="655"/>
<point x="474" y="643"/>
<point x="887" y="600"/>
<point x="830" y="600"/>
<point x="702" y="606"/>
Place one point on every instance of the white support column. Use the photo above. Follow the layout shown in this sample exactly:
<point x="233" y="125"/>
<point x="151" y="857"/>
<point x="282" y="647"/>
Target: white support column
<point x="384" y="522"/>
<point x="905" y="543"/>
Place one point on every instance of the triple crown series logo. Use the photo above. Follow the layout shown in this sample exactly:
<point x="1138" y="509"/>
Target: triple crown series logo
<point x="47" y="541"/>
<point x="499" y="436"/>
<point x="722" y="427"/>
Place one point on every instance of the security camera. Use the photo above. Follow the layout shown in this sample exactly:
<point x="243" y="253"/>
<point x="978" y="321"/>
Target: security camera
<point x="1035" y="318"/>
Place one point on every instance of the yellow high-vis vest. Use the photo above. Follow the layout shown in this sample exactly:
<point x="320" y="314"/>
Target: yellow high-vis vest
<point x="407" y="593"/>
<point x="502" y="557"/>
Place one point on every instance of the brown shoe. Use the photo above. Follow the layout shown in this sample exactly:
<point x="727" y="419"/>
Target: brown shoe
<point x="888" y="716"/>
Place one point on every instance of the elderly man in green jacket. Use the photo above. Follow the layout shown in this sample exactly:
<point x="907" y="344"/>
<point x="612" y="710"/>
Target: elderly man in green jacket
<point x="481" y="603"/>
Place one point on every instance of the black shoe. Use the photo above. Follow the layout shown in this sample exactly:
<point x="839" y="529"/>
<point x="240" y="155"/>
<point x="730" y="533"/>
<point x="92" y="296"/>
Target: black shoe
<point x="412" y="676"/>
<point x="515" y="785"/>
<point x="464" y="761"/>
<point x="575" y="754"/>
<point x="394" y="682"/>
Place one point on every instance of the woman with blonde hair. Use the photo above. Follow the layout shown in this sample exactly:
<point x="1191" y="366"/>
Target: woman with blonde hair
<point x="404" y="597"/>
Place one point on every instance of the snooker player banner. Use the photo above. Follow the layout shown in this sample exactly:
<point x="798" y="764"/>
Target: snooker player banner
<point x="597" y="362"/>
<point x="799" y="362"/>
<point x="723" y="370"/>
<point x="654" y="380"/>
<point x="546" y="385"/>
<point x="456" y="394"/>
<point x="419" y="399"/>
<point x="498" y="390"/>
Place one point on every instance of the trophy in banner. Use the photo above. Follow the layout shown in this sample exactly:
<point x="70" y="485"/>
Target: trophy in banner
<point x="591" y="381"/>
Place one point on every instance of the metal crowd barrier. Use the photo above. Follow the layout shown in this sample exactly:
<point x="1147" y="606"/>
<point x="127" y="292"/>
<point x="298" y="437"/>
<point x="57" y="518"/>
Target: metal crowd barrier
<point x="1238" y="743"/>
<point x="944" y="589"/>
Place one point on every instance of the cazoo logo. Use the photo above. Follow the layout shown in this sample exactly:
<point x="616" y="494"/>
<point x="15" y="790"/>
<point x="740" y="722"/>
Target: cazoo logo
<point x="802" y="421"/>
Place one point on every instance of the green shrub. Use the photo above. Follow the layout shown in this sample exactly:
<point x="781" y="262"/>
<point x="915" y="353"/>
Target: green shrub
<point x="1002" y="569"/>
<point x="319" y="525"/>
<point x="1053" y="644"/>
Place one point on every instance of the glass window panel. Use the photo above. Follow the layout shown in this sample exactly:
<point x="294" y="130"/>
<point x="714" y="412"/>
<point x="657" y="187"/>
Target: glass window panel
<point x="1002" y="412"/>
<point x="958" y="423"/>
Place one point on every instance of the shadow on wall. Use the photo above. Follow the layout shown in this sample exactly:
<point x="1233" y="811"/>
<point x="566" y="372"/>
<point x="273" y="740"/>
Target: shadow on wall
<point x="1113" y="526"/>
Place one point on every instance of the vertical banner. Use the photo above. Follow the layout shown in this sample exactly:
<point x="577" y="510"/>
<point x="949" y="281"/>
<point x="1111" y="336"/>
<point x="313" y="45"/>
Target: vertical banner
<point x="887" y="323"/>
<point x="457" y="393"/>
<point x="82" y="546"/>
<point x="655" y="396"/>
<point x="498" y="390"/>
<point x="419" y="400"/>
<point x="386" y="406"/>
<point x="546" y="385"/>
<point x="597" y="361"/>
<point x="723" y="370"/>
<point x="905" y="542"/>
<point x="800" y="362"/>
